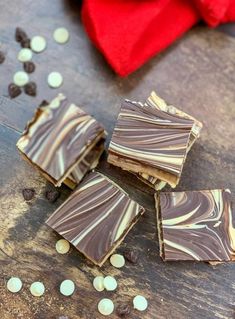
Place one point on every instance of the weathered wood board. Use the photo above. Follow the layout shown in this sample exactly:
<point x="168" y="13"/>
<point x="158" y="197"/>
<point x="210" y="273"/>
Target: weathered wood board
<point x="197" y="75"/>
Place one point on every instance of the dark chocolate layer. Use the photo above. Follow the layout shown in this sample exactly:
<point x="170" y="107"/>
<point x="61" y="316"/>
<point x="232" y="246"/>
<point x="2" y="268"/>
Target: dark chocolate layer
<point x="197" y="225"/>
<point x="96" y="217"/>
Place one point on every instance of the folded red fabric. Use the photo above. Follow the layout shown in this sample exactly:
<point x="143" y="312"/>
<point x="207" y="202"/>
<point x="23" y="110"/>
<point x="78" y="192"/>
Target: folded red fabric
<point x="129" y="32"/>
<point x="214" y="12"/>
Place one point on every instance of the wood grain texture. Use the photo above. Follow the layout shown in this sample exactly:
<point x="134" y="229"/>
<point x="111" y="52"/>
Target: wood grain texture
<point x="197" y="75"/>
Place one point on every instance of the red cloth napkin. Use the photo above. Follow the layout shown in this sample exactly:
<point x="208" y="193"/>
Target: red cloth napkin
<point x="129" y="32"/>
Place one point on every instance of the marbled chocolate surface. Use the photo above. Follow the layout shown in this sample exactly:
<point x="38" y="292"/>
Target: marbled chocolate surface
<point x="157" y="102"/>
<point x="90" y="161"/>
<point x="197" y="225"/>
<point x="58" y="136"/>
<point x="96" y="217"/>
<point x="151" y="137"/>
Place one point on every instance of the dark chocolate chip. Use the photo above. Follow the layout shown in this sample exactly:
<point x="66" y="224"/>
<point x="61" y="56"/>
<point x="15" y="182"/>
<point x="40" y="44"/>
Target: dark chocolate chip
<point x="30" y="88"/>
<point x="29" y="67"/>
<point x="52" y="195"/>
<point x="44" y="103"/>
<point x="13" y="90"/>
<point x="25" y="43"/>
<point x="123" y="310"/>
<point x="28" y="193"/>
<point x="131" y="256"/>
<point x="20" y="35"/>
<point x="2" y="57"/>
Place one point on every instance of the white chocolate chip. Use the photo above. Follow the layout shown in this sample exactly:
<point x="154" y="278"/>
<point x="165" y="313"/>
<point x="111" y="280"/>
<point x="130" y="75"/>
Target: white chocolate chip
<point x="25" y="55"/>
<point x="20" y="78"/>
<point x="98" y="283"/>
<point x="14" y="284"/>
<point x="117" y="260"/>
<point x="38" y="44"/>
<point x="110" y="283"/>
<point x="61" y="35"/>
<point x="37" y="289"/>
<point x="140" y="303"/>
<point x="67" y="287"/>
<point x="62" y="246"/>
<point x="105" y="306"/>
<point x="55" y="79"/>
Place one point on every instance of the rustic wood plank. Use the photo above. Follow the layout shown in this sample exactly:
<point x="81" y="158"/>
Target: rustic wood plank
<point x="196" y="74"/>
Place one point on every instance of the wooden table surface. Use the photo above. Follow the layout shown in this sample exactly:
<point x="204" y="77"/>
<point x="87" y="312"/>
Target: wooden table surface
<point x="197" y="75"/>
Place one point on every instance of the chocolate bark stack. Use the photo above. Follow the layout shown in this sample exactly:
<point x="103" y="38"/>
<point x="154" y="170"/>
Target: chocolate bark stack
<point x="62" y="141"/>
<point x="152" y="140"/>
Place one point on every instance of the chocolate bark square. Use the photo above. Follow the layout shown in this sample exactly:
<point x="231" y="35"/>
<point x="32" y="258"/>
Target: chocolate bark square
<point x="96" y="217"/>
<point x="58" y="138"/>
<point x="157" y="102"/>
<point x="150" y="141"/>
<point x="196" y="225"/>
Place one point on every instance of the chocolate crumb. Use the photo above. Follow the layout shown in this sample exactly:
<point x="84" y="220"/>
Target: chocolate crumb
<point x="25" y="43"/>
<point x="13" y="90"/>
<point x="123" y="310"/>
<point x="30" y="88"/>
<point x="28" y="193"/>
<point x="29" y="67"/>
<point x="20" y="35"/>
<point x="52" y="195"/>
<point x="2" y="57"/>
<point x="44" y="103"/>
<point x="131" y="256"/>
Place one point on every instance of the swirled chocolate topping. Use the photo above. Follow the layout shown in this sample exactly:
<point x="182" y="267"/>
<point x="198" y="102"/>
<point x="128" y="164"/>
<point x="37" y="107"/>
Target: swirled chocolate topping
<point x="59" y="136"/>
<point x="196" y="225"/>
<point x="147" y="137"/>
<point x="96" y="217"/>
<point x="156" y="102"/>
